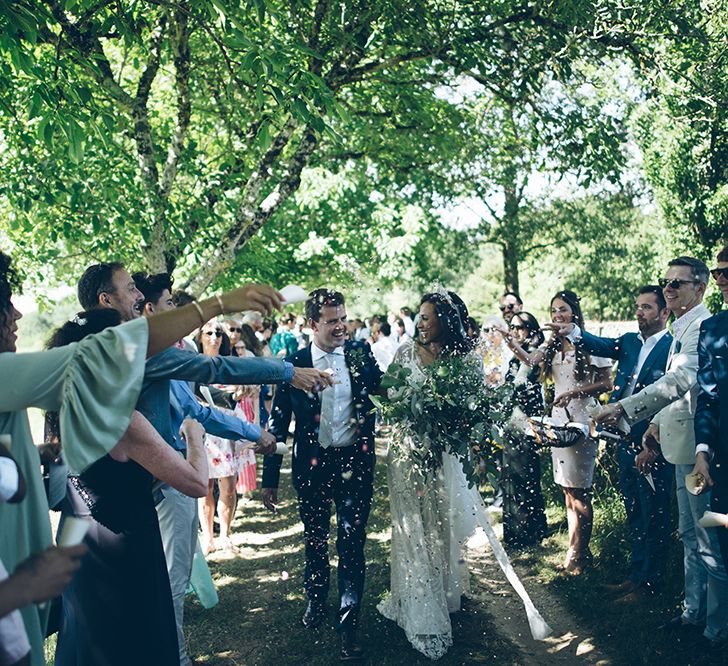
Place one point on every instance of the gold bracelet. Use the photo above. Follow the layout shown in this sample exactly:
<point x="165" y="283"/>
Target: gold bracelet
<point x="199" y="311"/>
<point x="219" y="302"/>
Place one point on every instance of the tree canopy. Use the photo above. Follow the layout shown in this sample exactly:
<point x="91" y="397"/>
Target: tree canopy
<point x="222" y="139"/>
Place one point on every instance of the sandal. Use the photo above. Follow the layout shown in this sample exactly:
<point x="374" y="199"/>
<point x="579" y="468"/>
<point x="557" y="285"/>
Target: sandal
<point x="575" y="565"/>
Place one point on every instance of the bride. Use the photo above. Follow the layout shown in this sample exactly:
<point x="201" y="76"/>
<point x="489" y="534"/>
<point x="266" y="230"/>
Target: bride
<point x="434" y="515"/>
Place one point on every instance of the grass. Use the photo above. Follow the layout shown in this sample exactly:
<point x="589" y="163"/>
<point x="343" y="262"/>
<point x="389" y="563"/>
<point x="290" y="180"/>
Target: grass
<point x="261" y="596"/>
<point x="258" y="619"/>
<point x="627" y="633"/>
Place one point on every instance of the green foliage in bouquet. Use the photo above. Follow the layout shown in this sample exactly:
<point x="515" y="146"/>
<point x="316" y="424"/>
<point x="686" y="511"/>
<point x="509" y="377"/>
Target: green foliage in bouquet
<point x="446" y="409"/>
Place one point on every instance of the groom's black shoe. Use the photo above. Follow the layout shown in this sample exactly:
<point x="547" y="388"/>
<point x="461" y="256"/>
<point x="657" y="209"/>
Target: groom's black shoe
<point x="351" y="649"/>
<point x="315" y="614"/>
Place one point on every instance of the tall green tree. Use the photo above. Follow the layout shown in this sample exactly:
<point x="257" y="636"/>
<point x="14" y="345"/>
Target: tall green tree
<point x="178" y="130"/>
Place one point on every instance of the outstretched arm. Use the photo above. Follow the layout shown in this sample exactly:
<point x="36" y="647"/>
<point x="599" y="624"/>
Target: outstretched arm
<point x="167" y="327"/>
<point x="680" y="377"/>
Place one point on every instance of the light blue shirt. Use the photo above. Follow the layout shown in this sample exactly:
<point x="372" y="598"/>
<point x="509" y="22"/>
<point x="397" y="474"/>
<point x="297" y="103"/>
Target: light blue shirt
<point x="183" y="404"/>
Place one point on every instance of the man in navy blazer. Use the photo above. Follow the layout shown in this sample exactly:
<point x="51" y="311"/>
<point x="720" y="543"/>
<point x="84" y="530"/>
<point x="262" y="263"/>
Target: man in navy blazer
<point x="642" y="358"/>
<point x="711" y="414"/>
<point x="333" y="460"/>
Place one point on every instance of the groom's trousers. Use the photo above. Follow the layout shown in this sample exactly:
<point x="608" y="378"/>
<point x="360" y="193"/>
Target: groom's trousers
<point x="341" y="475"/>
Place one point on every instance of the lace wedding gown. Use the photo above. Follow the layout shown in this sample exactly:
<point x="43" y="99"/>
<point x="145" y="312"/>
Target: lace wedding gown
<point x="432" y="520"/>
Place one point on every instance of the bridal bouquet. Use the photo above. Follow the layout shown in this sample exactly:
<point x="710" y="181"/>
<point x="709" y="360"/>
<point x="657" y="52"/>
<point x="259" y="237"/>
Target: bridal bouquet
<point x="445" y="409"/>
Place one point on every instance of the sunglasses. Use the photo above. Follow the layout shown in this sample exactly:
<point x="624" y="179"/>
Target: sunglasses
<point x="717" y="272"/>
<point x="675" y="283"/>
<point x="488" y="329"/>
<point x="517" y="327"/>
<point x="217" y="334"/>
<point x="235" y="330"/>
<point x="507" y="306"/>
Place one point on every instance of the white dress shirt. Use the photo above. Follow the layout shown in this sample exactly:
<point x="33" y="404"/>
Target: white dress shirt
<point x="384" y="350"/>
<point x="647" y="346"/>
<point x="337" y="427"/>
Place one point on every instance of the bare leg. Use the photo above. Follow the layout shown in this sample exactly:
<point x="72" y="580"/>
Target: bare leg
<point x="571" y="522"/>
<point x="226" y="505"/>
<point x="207" y="518"/>
<point x="580" y="514"/>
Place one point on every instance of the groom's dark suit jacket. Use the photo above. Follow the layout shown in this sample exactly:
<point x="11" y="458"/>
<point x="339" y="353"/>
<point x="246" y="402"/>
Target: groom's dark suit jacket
<point x="365" y="378"/>
<point x="626" y="350"/>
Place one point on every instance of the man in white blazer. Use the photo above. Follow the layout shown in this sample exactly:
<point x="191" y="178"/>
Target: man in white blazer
<point x="672" y="400"/>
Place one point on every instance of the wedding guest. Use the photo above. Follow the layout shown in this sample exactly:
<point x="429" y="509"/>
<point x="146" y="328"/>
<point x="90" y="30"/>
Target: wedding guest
<point x="473" y="329"/>
<point x="496" y="353"/>
<point x="642" y="358"/>
<point x="333" y="461"/>
<point x="524" y="513"/>
<point x="177" y="512"/>
<point x="284" y="342"/>
<point x="126" y="561"/>
<point x="96" y="381"/>
<point x="232" y="328"/>
<point x="224" y="455"/>
<point x="402" y="335"/>
<point x="384" y="347"/>
<point x="38" y="579"/>
<point x="405" y="315"/>
<point x="268" y="331"/>
<point x="579" y="379"/>
<point x="510" y="304"/>
<point x="670" y="401"/>
<point x="711" y="414"/>
<point x="255" y="321"/>
<point x="251" y="408"/>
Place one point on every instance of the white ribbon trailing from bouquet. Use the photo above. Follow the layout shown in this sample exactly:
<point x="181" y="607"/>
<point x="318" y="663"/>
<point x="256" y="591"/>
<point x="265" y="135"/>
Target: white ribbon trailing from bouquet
<point x="540" y="630"/>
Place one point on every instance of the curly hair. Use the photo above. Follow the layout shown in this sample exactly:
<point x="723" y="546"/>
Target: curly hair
<point x="556" y="345"/>
<point x="452" y="313"/>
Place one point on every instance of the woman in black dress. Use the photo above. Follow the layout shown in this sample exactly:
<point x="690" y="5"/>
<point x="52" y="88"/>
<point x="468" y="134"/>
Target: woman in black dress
<point x="118" y="610"/>
<point x="524" y="517"/>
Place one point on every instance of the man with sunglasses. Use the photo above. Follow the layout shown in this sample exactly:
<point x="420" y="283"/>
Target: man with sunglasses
<point x="671" y="402"/>
<point x="510" y="304"/>
<point x="711" y="414"/>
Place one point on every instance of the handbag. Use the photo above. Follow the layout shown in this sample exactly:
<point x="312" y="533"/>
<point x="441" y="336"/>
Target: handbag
<point x="546" y="433"/>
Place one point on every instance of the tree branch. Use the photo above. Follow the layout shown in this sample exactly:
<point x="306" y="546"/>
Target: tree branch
<point x="180" y="38"/>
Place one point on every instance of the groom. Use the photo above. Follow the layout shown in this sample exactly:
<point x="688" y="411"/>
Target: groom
<point x="333" y="459"/>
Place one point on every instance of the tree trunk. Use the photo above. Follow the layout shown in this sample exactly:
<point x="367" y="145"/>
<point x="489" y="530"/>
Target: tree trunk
<point x="510" y="265"/>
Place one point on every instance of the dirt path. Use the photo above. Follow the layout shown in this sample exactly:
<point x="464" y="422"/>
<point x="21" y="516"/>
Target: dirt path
<point x="570" y="643"/>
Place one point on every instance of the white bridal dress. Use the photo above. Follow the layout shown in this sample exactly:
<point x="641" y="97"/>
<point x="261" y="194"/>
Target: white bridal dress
<point x="432" y="520"/>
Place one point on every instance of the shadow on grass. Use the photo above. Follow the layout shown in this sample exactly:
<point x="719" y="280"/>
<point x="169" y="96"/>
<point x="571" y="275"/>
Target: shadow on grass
<point x="628" y="632"/>
<point x="258" y="619"/>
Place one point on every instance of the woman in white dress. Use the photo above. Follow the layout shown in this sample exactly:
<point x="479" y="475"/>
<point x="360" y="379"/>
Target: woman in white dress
<point x="578" y="380"/>
<point x="435" y="514"/>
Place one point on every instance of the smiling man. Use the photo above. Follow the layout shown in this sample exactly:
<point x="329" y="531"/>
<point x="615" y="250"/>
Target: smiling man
<point x="110" y="286"/>
<point x="672" y="399"/>
<point x="333" y="460"/>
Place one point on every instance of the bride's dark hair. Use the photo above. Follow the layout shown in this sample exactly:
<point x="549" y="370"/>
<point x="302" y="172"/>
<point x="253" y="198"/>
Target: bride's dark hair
<point x="453" y="315"/>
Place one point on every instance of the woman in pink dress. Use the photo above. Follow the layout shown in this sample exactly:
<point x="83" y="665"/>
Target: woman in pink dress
<point x="223" y="455"/>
